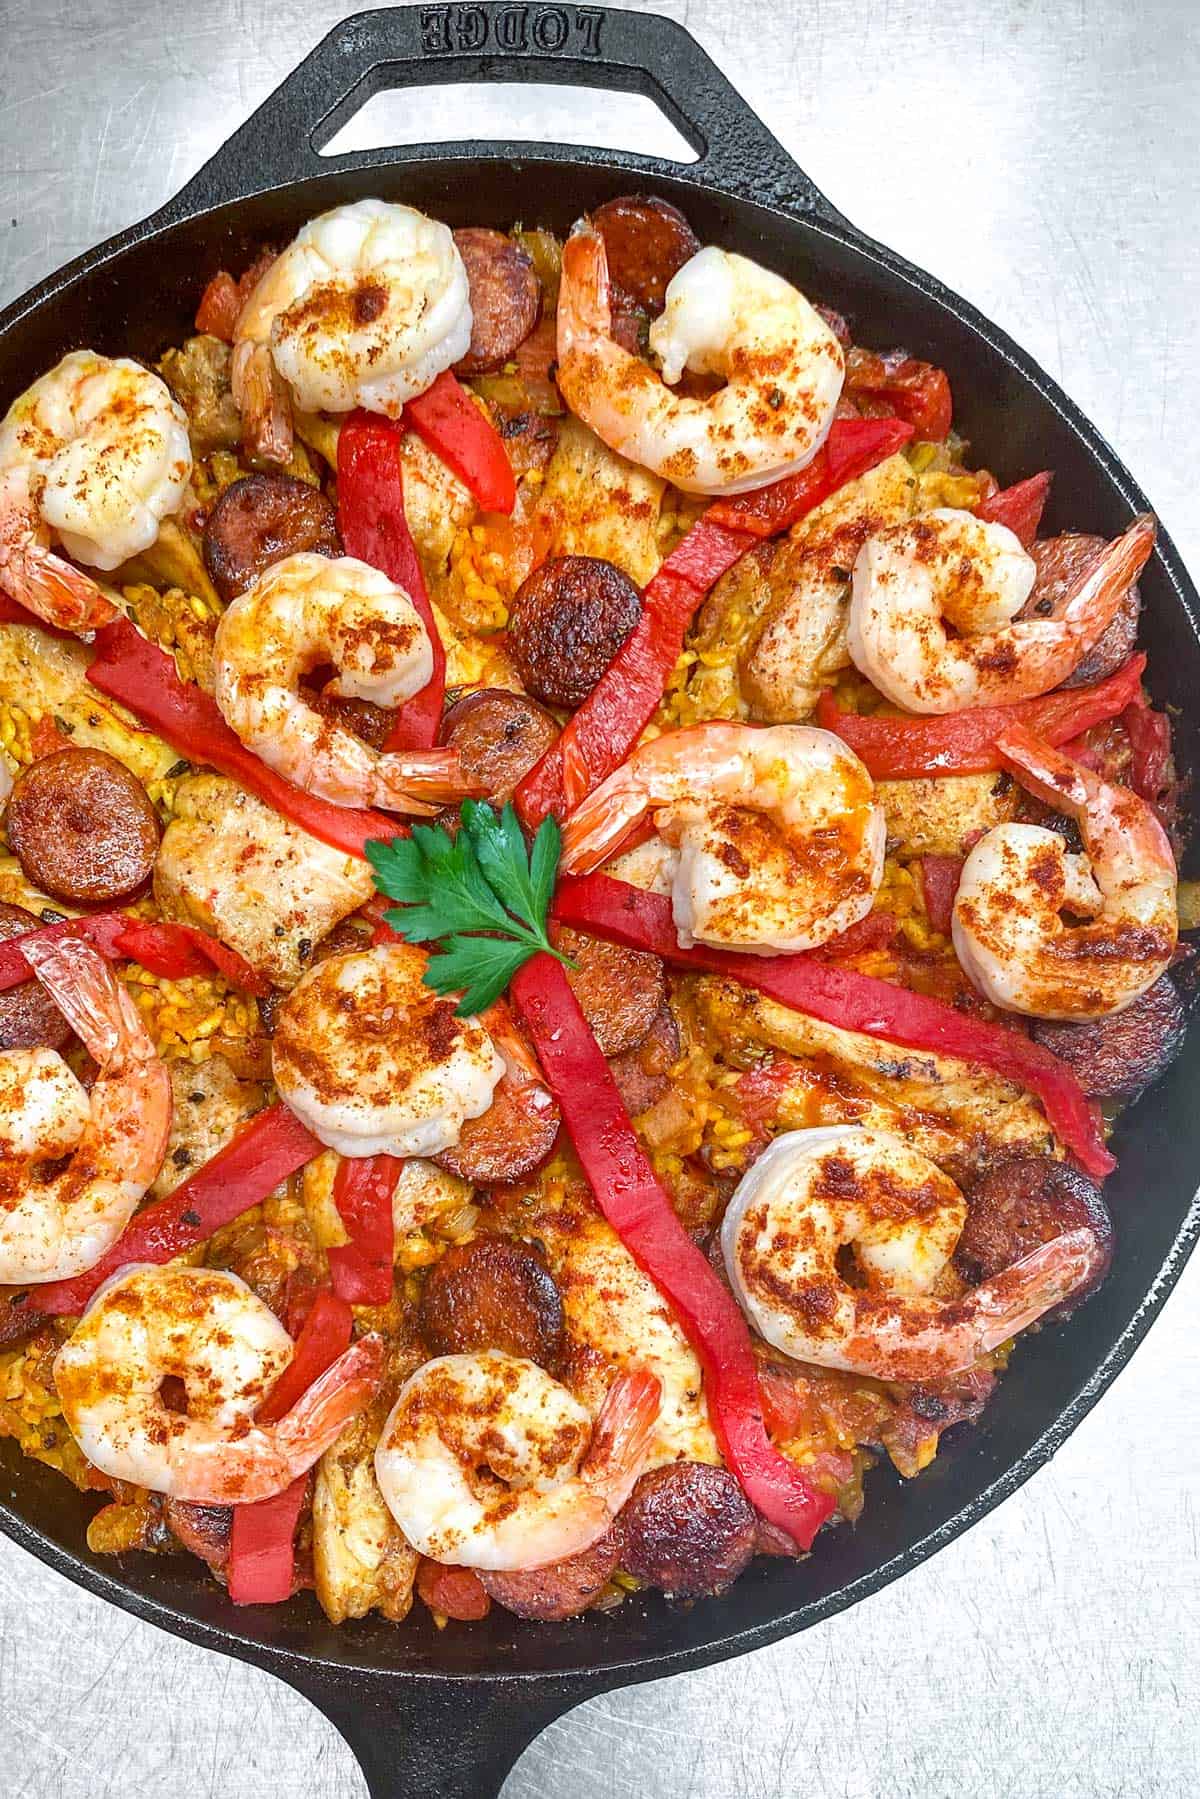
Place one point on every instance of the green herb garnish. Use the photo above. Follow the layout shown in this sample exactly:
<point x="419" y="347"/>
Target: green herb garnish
<point x="480" y="895"/>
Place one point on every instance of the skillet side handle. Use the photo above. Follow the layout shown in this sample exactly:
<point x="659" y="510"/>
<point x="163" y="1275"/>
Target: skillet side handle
<point x="439" y="1738"/>
<point x="494" y="40"/>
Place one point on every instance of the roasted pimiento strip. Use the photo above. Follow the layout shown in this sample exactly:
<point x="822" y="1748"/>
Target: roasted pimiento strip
<point x="83" y="828"/>
<point x="1021" y="1204"/>
<point x="259" y="520"/>
<point x="688" y="1528"/>
<point x="1117" y="1056"/>
<point x="566" y="623"/>
<point x="492" y="1293"/>
<point x="506" y="297"/>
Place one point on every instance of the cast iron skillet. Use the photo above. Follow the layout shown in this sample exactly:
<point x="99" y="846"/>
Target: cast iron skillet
<point x="448" y="1713"/>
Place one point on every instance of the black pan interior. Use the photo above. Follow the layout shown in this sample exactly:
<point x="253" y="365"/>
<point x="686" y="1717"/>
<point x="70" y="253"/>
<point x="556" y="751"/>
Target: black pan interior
<point x="140" y="300"/>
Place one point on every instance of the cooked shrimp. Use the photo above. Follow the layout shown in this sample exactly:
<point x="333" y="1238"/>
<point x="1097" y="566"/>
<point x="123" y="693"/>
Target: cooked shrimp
<point x="374" y="1062"/>
<point x="204" y="1327"/>
<point x="93" y="456"/>
<point x="726" y="316"/>
<point x="487" y="1462"/>
<point x="54" y="1225"/>
<point x="1008" y="925"/>
<point x="934" y="603"/>
<point x="814" y="1193"/>
<point x="779" y="845"/>
<point x="309" y="610"/>
<point x="365" y="307"/>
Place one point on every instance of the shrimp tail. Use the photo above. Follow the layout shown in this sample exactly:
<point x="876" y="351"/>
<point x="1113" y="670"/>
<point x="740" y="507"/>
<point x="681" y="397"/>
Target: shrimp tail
<point x="598" y="828"/>
<point x="1018" y="1296"/>
<point x="1051" y="776"/>
<point x="585" y="266"/>
<point x="320" y="1414"/>
<point x="95" y="1004"/>
<point x="422" y="781"/>
<point x="624" y="1426"/>
<point x="264" y="402"/>
<point x="1090" y="608"/>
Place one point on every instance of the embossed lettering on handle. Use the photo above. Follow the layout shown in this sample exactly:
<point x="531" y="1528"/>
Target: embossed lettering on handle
<point x="540" y="30"/>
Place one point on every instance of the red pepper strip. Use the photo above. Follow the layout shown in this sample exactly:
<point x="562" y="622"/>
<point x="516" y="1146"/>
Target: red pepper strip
<point x="940" y="876"/>
<point x="852" y="447"/>
<point x="361" y="1270"/>
<point x="172" y="950"/>
<point x="629" y="1194"/>
<point x="852" y="1001"/>
<point x="1149" y="735"/>
<point x="374" y="527"/>
<point x="262" y="1568"/>
<point x="129" y="668"/>
<point x="1018" y="507"/>
<point x="964" y="743"/>
<point x="273" y="1145"/>
<point x="601" y="734"/>
<point x="262" y="1555"/>
<point x="458" y="431"/>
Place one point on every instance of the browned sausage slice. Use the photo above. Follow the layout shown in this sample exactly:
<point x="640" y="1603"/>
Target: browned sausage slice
<point x="512" y="1138"/>
<point x="562" y="1590"/>
<point x="620" y="991"/>
<point x="83" y="827"/>
<point x="362" y="718"/>
<point x="260" y="520"/>
<point x="567" y="621"/>
<point x="643" y="1073"/>
<point x="1115" y="1057"/>
<point x="646" y="241"/>
<point x="1023" y="1203"/>
<point x="493" y="1293"/>
<point x="506" y="297"/>
<point x="29" y="1018"/>
<point x="499" y="737"/>
<point x="204" y="1530"/>
<point x="1061" y="563"/>
<point x="689" y="1529"/>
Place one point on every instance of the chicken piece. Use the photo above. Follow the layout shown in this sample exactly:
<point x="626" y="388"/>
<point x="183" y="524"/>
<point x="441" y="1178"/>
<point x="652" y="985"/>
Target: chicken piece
<point x="594" y="503"/>
<point x="943" y="817"/>
<point x="958" y="1115"/>
<point x="361" y="1559"/>
<point x="800" y="641"/>
<point x="616" y="1319"/>
<point x="232" y="865"/>
<point x="209" y="1102"/>
<point x="198" y="376"/>
<point x="44" y="675"/>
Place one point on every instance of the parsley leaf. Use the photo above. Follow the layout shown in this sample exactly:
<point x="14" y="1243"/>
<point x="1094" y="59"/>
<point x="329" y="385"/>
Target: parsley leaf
<point x="479" y="895"/>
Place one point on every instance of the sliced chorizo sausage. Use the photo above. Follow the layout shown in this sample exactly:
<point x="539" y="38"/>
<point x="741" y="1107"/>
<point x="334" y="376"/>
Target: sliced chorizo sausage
<point x="506" y="297"/>
<point x="512" y="1138"/>
<point x="1061" y="563"/>
<point x="83" y="827"/>
<point x="493" y="1293"/>
<point x="204" y="1530"/>
<point x="643" y="1073"/>
<point x="562" y="1590"/>
<point x="1020" y="1204"/>
<point x="20" y="1317"/>
<point x="620" y="991"/>
<point x="1116" y="1057"/>
<point x="499" y="737"/>
<point x="647" y="241"/>
<point x="567" y="621"/>
<point x="453" y="1592"/>
<point x="259" y="520"/>
<point x="689" y="1529"/>
<point x="362" y="718"/>
<point x="29" y="1018"/>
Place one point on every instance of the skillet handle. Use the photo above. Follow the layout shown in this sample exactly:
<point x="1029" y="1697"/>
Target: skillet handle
<point x="495" y="40"/>
<point x="441" y="1739"/>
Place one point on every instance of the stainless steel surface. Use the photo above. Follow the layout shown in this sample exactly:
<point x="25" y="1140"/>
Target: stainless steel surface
<point x="1042" y="158"/>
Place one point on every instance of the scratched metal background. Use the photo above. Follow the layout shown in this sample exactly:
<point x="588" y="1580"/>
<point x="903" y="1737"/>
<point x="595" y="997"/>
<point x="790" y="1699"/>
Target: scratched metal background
<point x="1042" y="156"/>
